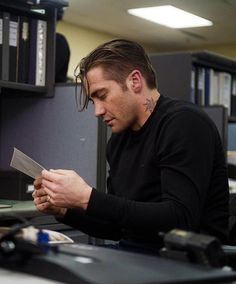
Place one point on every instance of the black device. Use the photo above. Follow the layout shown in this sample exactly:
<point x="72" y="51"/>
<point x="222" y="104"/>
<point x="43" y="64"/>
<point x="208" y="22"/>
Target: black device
<point x="193" y="247"/>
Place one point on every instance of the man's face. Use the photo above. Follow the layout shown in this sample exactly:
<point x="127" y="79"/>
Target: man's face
<point x="117" y="107"/>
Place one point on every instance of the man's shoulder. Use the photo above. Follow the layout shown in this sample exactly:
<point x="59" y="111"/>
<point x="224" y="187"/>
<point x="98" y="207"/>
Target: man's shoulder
<point x="174" y="103"/>
<point x="172" y="106"/>
<point x="185" y="112"/>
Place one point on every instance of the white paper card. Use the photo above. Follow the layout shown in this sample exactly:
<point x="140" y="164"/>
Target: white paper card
<point x="25" y="164"/>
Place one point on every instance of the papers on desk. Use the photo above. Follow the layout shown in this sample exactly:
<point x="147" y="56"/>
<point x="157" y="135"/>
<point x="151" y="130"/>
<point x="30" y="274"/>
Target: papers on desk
<point x="30" y="233"/>
<point x="25" y="164"/>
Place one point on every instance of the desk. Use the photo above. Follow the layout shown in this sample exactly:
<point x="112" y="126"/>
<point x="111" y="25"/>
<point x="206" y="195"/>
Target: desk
<point x="24" y="209"/>
<point x="85" y="264"/>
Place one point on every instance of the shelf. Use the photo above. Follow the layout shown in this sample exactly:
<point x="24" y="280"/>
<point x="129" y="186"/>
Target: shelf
<point x="215" y="61"/>
<point x="22" y="87"/>
<point x="27" y="12"/>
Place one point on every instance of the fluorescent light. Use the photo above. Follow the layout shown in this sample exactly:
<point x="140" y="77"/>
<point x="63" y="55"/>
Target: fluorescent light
<point x="170" y="16"/>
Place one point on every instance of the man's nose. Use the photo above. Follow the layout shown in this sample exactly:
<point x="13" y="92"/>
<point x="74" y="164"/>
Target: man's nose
<point x="99" y="109"/>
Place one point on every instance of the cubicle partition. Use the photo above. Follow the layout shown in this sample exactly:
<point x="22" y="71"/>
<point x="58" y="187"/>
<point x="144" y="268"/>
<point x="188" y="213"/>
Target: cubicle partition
<point x="219" y="115"/>
<point x="54" y="133"/>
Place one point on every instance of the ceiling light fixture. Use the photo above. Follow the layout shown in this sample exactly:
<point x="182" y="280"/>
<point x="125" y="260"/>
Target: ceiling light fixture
<point x="170" y="16"/>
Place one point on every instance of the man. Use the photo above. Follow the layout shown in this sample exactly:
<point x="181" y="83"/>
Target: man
<point x="167" y="166"/>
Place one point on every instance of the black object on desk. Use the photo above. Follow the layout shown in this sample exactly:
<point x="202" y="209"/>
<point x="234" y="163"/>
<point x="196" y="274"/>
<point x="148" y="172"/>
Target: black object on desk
<point x="193" y="247"/>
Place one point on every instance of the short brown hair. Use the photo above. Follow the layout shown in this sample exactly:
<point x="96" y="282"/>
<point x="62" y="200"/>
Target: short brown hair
<point x="118" y="58"/>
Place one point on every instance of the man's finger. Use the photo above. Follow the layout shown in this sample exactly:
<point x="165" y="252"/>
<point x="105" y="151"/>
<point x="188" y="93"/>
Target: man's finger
<point x="48" y="185"/>
<point x="60" y="171"/>
<point x="52" y="175"/>
<point x="39" y="192"/>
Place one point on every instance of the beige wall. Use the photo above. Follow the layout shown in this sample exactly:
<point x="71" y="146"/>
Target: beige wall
<point x="82" y="41"/>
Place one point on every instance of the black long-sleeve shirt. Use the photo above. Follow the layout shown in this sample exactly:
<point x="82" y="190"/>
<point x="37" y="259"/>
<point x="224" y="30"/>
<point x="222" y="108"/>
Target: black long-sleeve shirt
<point x="169" y="174"/>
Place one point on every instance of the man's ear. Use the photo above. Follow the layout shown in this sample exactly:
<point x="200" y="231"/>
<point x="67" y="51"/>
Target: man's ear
<point x="134" y="81"/>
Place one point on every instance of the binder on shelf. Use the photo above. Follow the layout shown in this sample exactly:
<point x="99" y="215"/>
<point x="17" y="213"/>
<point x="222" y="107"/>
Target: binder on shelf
<point x="193" y="85"/>
<point x="233" y="96"/>
<point x="5" y="45"/>
<point x="225" y="90"/>
<point x="213" y="87"/>
<point x="37" y="51"/>
<point x="32" y="50"/>
<point x="13" y="46"/>
<point x="9" y="46"/>
<point x="41" y="53"/>
<point x="200" y="99"/>
<point x="23" y="50"/>
<point x="207" y="87"/>
<point x="1" y="38"/>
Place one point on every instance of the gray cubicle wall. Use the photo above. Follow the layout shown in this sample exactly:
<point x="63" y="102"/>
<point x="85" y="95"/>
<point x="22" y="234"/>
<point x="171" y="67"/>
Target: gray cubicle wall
<point x="232" y="136"/>
<point x="51" y="131"/>
<point x="219" y="115"/>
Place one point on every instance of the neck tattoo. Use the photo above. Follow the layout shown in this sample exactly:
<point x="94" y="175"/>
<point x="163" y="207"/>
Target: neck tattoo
<point x="150" y="105"/>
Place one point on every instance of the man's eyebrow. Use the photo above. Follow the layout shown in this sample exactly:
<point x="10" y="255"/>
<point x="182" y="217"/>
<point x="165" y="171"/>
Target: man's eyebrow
<point x="96" y="93"/>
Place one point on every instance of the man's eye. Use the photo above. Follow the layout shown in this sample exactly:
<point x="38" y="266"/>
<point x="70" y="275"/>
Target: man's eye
<point x="102" y="97"/>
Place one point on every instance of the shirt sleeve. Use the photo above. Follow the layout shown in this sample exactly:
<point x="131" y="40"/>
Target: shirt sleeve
<point x="77" y="218"/>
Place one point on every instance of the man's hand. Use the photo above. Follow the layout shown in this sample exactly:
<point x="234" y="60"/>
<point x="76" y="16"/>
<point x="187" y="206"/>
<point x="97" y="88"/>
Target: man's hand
<point x="41" y="201"/>
<point x="65" y="188"/>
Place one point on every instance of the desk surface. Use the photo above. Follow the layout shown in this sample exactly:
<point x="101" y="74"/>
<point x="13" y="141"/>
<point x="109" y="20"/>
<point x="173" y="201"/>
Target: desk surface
<point x="22" y="208"/>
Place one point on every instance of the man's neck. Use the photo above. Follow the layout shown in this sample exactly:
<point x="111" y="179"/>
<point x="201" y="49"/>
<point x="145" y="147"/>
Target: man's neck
<point x="147" y="106"/>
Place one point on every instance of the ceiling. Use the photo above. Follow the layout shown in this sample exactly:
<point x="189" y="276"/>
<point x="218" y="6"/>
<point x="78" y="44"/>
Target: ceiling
<point x="110" y="16"/>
